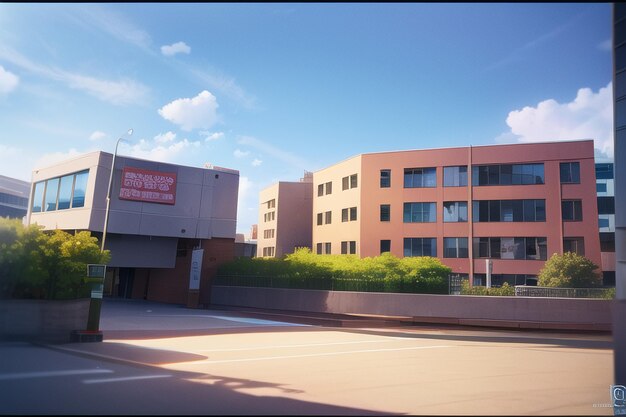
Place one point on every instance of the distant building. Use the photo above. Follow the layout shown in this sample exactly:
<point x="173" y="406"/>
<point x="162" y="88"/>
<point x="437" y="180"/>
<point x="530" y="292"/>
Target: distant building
<point x="285" y="216"/>
<point x="13" y="197"/>
<point x="605" y="187"/>
<point x="164" y="221"/>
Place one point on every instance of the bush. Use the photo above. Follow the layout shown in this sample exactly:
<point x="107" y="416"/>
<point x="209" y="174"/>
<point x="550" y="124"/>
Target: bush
<point x="505" y="290"/>
<point x="39" y="265"/>
<point x="303" y="269"/>
<point x="569" y="270"/>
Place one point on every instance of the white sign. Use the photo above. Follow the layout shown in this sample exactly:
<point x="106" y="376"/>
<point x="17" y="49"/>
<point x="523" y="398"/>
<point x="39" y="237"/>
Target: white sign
<point x="196" y="267"/>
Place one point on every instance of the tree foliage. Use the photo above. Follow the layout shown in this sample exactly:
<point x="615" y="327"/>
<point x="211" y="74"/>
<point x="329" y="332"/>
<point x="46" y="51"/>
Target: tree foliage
<point x="569" y="270"/>
<point x="40" y="265"/>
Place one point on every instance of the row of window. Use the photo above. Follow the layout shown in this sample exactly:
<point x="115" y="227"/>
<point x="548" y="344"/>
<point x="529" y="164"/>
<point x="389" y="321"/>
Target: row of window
<point x="327" y="216"/>
<point x="269" y="251"/>
<point x="520" y="248"/>
<point x="267" y="217"/>
<point x="13" y="200"/>
<point x="60" y="193"/>
<point x="271" y="203"/>
<point x="348" y="182"/>
<point x="269" y="233"/>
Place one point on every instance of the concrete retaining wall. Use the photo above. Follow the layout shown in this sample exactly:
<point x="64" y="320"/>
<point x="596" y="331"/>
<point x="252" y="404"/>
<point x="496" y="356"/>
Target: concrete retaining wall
<point x="516" y="312"/>
<point x="49" y="321"/>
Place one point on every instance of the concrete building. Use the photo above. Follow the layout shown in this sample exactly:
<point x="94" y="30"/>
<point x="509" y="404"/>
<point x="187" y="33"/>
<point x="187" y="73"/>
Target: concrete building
<point x="285" y="217"/>
<point x="169" y="226"/>
<point x="515" y="205"/>
<point x="605" y="188"/>
<point x="13" y="197"/>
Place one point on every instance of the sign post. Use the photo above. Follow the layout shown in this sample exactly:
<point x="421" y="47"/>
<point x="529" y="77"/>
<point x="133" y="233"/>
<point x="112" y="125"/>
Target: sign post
<point x="95" y="277"/>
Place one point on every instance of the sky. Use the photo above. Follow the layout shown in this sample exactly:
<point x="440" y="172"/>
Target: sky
<point x="274" y="89"/>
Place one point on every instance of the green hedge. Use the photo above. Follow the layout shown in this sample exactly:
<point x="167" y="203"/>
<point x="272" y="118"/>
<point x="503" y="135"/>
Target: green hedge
<point x="305" y="270"/>
<point x="504" y="290"/>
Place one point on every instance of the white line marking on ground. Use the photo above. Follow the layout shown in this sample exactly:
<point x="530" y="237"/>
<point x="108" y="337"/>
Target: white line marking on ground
<point x="317" y="354"/>
<point x="45" y="374"/>
<point x="306" y="345"/>
<point x="128" y="378"/>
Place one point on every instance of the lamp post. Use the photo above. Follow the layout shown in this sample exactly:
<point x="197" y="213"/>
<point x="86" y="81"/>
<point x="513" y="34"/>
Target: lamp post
<point x="106" y="213"/>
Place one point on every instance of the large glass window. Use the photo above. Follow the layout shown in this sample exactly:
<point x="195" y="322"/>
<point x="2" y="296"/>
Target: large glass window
<point x="509" y="210"/>
<point x="455" y="176"/>
<point x="606" y="205"/>
<point x="455" y="211"/>
<point x="529" y="248"/>
<point x="420" y="213"/>
<point x="420" y="177"/>
<point x="65" y="192"/>
<point x="420" y="246"/>
<point x="80" y="189"/>
<point x="508" y="174"/>
<point x="455" y="247"/>
<point x="570" y="172"/>
<point x="52" y="192"/>
<point x="604" y="171"/>
<point x="385" y="212"/>
<point x="38" y="197"/>
<point x="574" y="244"/>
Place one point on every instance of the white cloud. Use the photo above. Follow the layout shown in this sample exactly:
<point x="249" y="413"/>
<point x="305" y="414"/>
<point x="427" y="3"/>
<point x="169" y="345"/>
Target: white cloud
<point x="257" y="162"/>
<point x="176" y="48"/>
<point x="162" y="148"/>
<point x="224" y="84"/>
<point x="165" y="137"/>
<point x="588" y="116"/>
<point x="97" y="135"/>
<point x="266" y="148"/>
<point x="121" y="92"/>
<point x="240" y="154"/>
<point x="192" y="113"/>
<point x="212" y="136"/>
<point x="8" y="81"/>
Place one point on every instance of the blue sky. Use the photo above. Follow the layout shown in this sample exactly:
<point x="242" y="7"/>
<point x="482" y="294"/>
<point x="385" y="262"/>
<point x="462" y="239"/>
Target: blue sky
<point x="275" y="89"/>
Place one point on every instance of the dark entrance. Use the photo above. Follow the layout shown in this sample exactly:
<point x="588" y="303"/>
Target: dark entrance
<point x="125" y="287"/>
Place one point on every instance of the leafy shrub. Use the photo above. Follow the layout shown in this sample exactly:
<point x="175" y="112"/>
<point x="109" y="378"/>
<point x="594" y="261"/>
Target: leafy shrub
<point x="303" y="269"/>
<point x="504" y="291"/>
<point x="35" y="264"/>
<point x="569" y="270"/>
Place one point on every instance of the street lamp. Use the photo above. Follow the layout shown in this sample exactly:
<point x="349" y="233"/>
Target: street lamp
<point x="106" y="213"/>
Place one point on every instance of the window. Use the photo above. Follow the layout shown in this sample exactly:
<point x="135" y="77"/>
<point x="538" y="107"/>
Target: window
<point x="607" y="241"/>
<point x="497" y="280"/>
<point x="348" y="182"/>
<point x="509" y="210"/>
<point x="529" y="248"/>
<point x="420" y="178"/>
<point x="80" y="188"/>
<point x="606" y="205"/>
<point x="385" y="246"/>
<point x="267" y="217"/>
<point x="570" y="173"/>
<point x="38" y="197"/>
<point x="348" y="214"/>
<point x="52" y="192"/>
<point x="455" y="211"/>
<point x="601" y="187"/>
<point x="348" y="247"/>
<point x="328" y="217"/>
<point x="420" y="213"/>
<point x="508" y="174"/>
<point x="329" y="188"/>
<point x="269" y="251"/>
<point x="455" y="176"/>
<point x="572" y="210"/>
<point x="603" y="222"/>
<point x="320" y="190"/>
<point x="420" y="246"/>
<point x="271" y="203"/>
<point x="268" y="233"/>
<point x="574" y="244"/>
<point x="455" y="247"/>
<point x="318" y="249"/>
<point x="65" y="192"/>
<point x="385" y="178"/>
<point x="323" y="248"/>
<point x="320" y="219"/>
<point x="327" y="248"/>
<point x="385" y="212"/>
<point x="604" y="171"/>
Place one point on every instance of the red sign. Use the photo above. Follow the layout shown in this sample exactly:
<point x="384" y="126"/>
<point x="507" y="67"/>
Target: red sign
<point x="150" y="186"/>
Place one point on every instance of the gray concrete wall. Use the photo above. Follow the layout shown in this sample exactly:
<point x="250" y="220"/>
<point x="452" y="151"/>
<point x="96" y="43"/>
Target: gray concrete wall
<point x="42" y="320"/>
<point x="531" y="312"/>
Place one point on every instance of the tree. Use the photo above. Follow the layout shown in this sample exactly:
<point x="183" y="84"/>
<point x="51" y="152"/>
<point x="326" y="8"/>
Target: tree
<point x="569" y="270"/>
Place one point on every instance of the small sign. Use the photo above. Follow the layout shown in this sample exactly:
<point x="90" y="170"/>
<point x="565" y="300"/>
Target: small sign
<point x="150" y="186"/>
<point x="96" y="270"/>
<point x="618" y="395"/>
<point x="196" y="266"/>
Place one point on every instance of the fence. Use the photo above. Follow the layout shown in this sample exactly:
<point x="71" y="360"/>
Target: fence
<point x="530" y="291"/>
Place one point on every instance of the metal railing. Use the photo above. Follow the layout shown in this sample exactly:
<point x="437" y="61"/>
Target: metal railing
<point x="531" y="291"/>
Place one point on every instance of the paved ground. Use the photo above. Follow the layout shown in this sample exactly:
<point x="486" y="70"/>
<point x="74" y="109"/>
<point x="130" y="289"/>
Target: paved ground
<point x="390" y="370"/>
